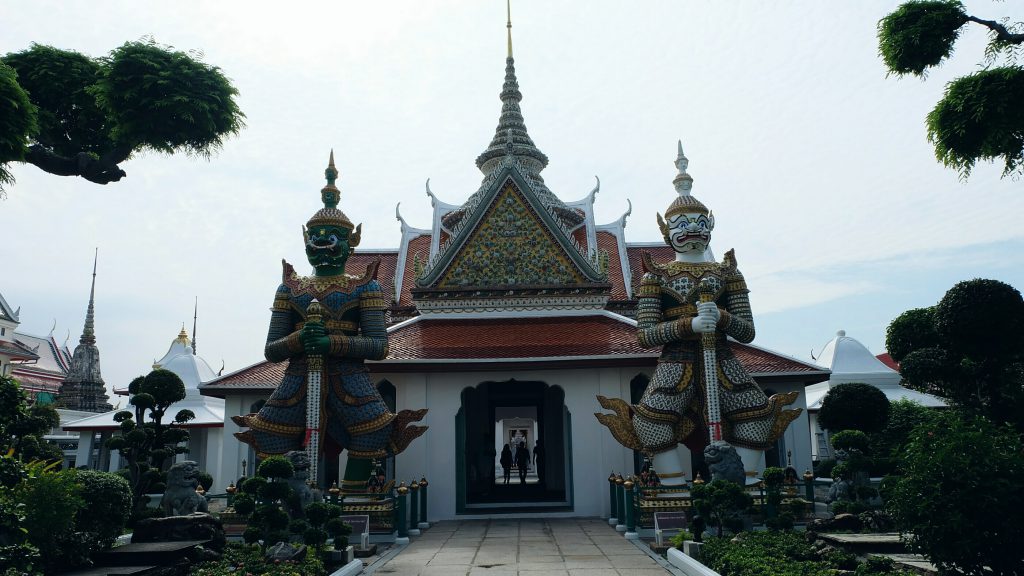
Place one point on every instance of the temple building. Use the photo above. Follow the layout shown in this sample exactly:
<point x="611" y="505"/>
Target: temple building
<point x="83" y="388"/>
<point x="850" y="361"/>
<point x="205" y="430"/>
<point x="38" y="363"/>
<point x="509" y="313"/>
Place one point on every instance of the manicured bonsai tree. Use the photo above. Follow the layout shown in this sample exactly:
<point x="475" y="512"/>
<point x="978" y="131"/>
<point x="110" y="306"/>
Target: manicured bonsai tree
<point x="266" y="499"/>
<point x="723" y="503"/>
<point x="146" y="442"/>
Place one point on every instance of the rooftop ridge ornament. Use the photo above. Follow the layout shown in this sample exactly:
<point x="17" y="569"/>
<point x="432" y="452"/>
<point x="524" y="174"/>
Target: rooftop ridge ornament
<point x="330" y="215"/>
<point x="330" y="193"/>
<point x="683" y="182"/>
<point x="511" y="118"/>
<point x="685" y="203"/>
<point x="508" y="8"/>
<point x="89" y="331"/>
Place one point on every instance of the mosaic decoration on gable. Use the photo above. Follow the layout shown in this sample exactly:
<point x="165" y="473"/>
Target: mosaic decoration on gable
<point x="512" y="246"/>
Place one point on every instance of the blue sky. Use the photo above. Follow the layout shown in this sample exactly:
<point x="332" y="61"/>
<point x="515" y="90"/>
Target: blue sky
<point x="815" y="163"/>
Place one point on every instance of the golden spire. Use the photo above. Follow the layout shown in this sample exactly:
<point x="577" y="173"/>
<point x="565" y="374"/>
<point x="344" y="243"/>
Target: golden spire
<point x="508" y="8"/>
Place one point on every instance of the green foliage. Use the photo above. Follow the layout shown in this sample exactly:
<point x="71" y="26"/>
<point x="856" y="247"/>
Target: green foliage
<point x="721" y="502"/>
<point x="980" y="318"/>
<point x="254" y="485"/>
<point x="276" y="467"/>
<point x="22" y="427"/>
<point x="919" y="35"/>
<point x="850" y="440"/>
<point x="679" y="538"/>
<point x="18" y="122"/>
<point x="147" y="443"/>
<point x="773" y="476"/>
<point x="52" y="499"/>
<point x="980" y="117"/>
<point x="978" y="361"/>
<point x="854" y="406"/>
<point x="912" y="330"/>
<point x="904" y="416"/>
<point x="764" y="554"/>
<point x="823" y="468"/>
<point x="75" y="115"/>
<point x="57" y="82"/>
<point x="962" y="477"/>
<point x="166" y="100"/>
<point x="244" y="504"/>
<point x="242" y="559"/>
<point x="275" y="491"/>
<point x="108" y="505"/>
<point x="206" y="481"/>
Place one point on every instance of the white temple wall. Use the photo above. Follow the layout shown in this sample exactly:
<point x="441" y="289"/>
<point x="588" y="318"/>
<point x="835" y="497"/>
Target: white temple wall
<point x="433" y="454"/>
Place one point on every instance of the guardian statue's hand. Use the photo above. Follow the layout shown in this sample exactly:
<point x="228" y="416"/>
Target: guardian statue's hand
<point x="314" y="338"/>
<point x="707" y="317"/>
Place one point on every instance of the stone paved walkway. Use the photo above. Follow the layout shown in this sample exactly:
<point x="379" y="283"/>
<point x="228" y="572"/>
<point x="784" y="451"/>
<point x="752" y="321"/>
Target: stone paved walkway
<point x="543" y="547"/>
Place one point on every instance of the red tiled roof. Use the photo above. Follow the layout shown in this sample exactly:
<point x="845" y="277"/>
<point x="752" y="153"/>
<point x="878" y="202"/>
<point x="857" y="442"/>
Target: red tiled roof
<point x="553" y="337"/>
<point x="607" y="242"/>
<point x="35" y="381"/>
<point x="418" y="245"/>
<point x="661" y="253"/>
<point x="261" y="375"/>
<point x="519" y="339"/>
<point x="358" y="262"/>
<point x="759" y="361"/>
<point x="884" y="358"/>
<point x="580" y="235"/>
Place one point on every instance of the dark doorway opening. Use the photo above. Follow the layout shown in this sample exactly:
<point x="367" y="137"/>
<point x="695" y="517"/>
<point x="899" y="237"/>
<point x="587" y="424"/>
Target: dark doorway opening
<point x="532" y="414"/>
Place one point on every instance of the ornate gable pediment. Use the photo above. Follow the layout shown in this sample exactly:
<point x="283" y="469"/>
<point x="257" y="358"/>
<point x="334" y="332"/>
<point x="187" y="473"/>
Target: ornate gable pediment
<point x="510" y="245"/>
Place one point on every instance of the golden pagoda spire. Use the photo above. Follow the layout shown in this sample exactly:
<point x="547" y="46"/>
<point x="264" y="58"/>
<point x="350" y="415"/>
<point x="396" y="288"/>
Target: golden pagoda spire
<point x="508" y="8"/>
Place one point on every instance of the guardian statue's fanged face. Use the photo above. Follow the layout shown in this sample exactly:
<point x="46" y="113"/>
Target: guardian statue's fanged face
<point x="327" y="248"/>
<point x="690" y="232"/>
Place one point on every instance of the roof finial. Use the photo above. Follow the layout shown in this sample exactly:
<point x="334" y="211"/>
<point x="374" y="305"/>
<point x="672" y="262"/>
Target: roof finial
<point x="88" y="332"/>
<point x="683" y="181"/>
<point x="508" y="7"/>
<point x="195" y="318"/>
<point x="330" y="193"/>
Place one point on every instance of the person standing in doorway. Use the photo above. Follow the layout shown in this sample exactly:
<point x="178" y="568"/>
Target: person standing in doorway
<point x="506" y="462"/>
<point x="522" y="461"/>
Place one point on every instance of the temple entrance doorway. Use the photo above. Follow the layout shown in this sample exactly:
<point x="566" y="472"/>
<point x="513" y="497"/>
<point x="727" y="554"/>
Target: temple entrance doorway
<point x="532" y="420"/>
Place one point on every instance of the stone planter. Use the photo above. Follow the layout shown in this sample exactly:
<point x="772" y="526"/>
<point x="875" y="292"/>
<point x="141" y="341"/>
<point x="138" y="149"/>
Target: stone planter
<point x="339" y="557"/>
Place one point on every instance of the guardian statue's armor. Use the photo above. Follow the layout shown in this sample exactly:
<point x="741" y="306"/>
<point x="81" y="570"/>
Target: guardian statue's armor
<point x="351" y="329"/>
<point x="689" y="307"/>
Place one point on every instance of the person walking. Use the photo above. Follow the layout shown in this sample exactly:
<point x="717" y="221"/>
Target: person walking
<point x="522" y="461"/>
<point x="506" y="462"/>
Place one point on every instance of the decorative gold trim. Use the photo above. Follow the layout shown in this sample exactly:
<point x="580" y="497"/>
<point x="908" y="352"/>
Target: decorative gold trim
<point x="680" y="311"/>
<point x="371" y="425"/>
<point x="672" y="475"/>
<point x="333" y="325"/>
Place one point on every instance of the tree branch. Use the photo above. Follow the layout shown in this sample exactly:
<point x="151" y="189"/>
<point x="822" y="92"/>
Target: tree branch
<point x="103" y="170"/>
<point x="1001" y="32"/>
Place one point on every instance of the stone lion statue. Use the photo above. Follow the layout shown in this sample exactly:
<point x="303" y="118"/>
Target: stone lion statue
<point x="180" y="497"/>
<point x="299" y="483"/>
<point x="724" y="462"/>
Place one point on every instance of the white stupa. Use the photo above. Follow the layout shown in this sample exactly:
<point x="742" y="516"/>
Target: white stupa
<point x="206" y="429"/>
<point x="850" y="361"/>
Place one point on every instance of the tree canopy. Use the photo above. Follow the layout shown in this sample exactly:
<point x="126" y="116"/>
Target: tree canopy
<point x="980" y="116"/>
<point x="972" y="350"/>
<point x="961" y="477"/>
<point x="74" y="115"/>
<point x="854" y="406"/>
